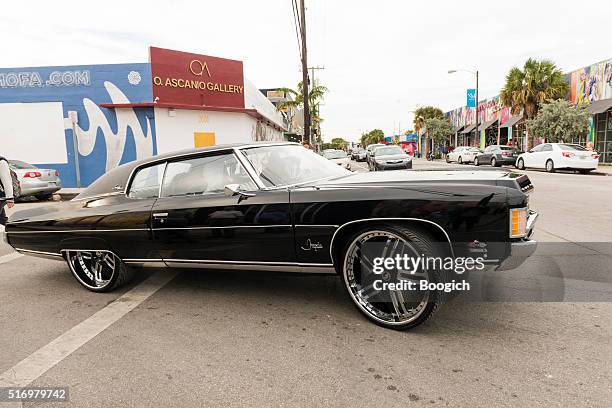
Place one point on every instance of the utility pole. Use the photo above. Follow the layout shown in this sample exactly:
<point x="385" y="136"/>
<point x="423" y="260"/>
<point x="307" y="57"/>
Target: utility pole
<point x="477" y="130"/>
<point x="306" y="137"/>
<point x="314" y="83"/>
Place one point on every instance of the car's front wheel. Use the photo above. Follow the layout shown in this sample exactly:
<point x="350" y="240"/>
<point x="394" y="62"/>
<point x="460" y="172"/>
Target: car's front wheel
<point x="401" y="307"/>
<point x="494" y="162"/>
<point x="460" y="160"/>
<point x="476" y="161"/>
<point x="520" y="164"/>
<point x="550" y="166"/>
<point x="98" y="271"/>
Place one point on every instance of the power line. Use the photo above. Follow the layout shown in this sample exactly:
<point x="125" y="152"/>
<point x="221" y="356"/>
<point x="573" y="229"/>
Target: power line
<point x="297" y="25"/>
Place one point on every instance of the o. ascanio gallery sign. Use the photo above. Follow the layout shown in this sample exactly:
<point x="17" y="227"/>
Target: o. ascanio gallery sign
<point x="183" y="79"/>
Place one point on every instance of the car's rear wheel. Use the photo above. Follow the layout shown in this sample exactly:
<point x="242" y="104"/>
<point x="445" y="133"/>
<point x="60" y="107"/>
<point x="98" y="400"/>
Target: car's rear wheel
<point x="98" y="271"/>
<point x="520" y="164"/>
<point x="550" y="166"/>
<point x="460" y="160"/>
<point x="398" y="309"/>
<point x="476" y="161"/>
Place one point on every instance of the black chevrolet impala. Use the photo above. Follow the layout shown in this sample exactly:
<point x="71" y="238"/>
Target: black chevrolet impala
<point x="281" y="207"/>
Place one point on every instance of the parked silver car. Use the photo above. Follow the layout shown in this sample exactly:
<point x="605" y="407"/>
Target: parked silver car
<point x="41" y="183"/>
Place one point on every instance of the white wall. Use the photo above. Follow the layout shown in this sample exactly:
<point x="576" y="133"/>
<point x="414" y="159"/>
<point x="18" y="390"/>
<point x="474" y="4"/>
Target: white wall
<point x="254" y="99"/>
<point x="33" y="132"/>
<point x="176" y="132"/>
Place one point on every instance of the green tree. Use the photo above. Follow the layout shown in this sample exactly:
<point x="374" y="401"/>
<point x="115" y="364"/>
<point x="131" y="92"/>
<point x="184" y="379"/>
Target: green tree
<point x="528" y="88"/>
<point x="315" y="96"/>
<point x="371" y="137"/>
<point x="560" y="121"/>
<point x="339" y="143"/>
<point x="423" y="113"/>
<point x="438" y="129"/>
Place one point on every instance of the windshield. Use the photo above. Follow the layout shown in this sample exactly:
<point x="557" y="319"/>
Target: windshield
<point x="383" y="151"/>
<point x="334" y="154"/>
<point x="17" y="164"/>
<point x="286" y="165"/>
<point x="571" y="147"/>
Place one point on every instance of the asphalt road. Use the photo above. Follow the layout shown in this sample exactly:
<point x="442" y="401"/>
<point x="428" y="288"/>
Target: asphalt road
<point x="259" y="339"/>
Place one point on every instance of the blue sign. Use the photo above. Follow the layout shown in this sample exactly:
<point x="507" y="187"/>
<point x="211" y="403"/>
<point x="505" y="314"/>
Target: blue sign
<point x="471" y="98"/>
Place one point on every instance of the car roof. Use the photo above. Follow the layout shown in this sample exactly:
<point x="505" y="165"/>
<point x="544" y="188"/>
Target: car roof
<point x="116" y="179"/>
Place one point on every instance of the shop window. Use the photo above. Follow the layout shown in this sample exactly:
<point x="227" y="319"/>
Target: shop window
<point x="204" y="139"/>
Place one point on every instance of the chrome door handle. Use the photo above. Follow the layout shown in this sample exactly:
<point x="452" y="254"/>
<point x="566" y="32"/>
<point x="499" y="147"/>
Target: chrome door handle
<point x="160" y="215"/>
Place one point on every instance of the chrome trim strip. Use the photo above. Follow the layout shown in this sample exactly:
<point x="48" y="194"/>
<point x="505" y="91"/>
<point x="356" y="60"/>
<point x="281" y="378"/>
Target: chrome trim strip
<point x="331" y="244"/>
<point x="317" y="225"/>
<point x="40" y="254"/>
<point x="298" y="268"/>
<point x="69" y="231"/>
<point x="224" y="227"/>
<point x="218" y="261"/>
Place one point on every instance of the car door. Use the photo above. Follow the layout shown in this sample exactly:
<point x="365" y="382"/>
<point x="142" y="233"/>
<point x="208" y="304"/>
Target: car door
<point x="195" y="221"/>
<point x="485" y="157"/>
<point x="544" y="154"/>
<point x="530" y="159"/>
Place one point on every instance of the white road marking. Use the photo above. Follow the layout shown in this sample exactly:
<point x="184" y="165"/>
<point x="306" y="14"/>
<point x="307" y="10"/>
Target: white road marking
<point x="46" y="357"/>
<point x="10" y="257"/>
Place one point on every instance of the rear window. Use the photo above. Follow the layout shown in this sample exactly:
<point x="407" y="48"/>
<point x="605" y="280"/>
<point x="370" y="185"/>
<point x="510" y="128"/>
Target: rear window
<point x="571" y="147"/>
<point x="507" y="148"/>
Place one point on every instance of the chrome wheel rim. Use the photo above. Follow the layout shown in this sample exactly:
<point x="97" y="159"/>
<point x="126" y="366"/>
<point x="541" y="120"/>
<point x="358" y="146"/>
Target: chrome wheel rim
<point x="391" y="307"/>
<point x="549" y="165"/>
<point x="94" y="269"/>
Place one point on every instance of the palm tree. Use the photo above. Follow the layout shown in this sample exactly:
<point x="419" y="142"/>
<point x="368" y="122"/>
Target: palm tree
<point x="315" y="96"/>
<point x="527" y="89"/>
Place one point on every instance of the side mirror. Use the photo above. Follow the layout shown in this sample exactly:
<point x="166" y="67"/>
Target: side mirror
<point x="231" y="190"/>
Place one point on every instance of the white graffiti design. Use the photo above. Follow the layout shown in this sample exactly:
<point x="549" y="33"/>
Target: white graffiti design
<point x="115" y="142"/>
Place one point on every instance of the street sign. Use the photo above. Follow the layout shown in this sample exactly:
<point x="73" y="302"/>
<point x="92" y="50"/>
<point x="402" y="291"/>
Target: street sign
<point x="471" y="98"/>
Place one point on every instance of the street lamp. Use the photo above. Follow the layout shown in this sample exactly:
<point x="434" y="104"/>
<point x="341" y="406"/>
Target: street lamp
<point x="452" y="71"/>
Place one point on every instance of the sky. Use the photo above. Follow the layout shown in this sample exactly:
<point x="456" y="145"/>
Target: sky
<point x="381" y="59"/>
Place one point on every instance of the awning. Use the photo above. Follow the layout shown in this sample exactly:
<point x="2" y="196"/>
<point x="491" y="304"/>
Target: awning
<point x="512" y="121"/>
<point x="487" y="124"/>
<point x="458" y="129"/>
<point x="469" y="128"/>
<point x="600" y="106"/>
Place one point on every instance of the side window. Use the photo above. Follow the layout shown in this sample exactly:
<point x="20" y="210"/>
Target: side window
<point x="489" y="149"/>
<point x="205" y="175"/>
<point x="146" y="182"/>
<point x="546" y="148"/>
<point x="538" y="148"/>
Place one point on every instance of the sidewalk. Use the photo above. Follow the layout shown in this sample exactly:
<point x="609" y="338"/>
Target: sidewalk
<point x="422" y="163"/>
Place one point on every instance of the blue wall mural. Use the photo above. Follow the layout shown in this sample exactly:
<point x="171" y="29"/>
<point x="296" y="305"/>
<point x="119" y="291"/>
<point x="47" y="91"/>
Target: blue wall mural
<point x="107" y="137"/>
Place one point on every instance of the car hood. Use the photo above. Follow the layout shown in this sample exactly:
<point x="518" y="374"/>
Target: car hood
<point x="392" y="157"/>
<point x="420" y="177"/>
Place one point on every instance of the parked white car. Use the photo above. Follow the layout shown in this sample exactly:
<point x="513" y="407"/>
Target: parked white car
<point x="339" y="157"/>
<point x="552" y="156"/>
<point x="463" y="154"/>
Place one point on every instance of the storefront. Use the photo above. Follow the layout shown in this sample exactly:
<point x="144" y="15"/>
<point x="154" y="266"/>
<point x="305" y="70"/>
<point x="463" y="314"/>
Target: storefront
<point x="92" y="118"/>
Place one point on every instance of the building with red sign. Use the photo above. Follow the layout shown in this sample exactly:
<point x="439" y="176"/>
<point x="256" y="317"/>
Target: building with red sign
<point x="96" y="117"/>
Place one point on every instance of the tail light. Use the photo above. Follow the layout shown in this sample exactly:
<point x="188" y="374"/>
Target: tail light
<point x="32" y="174"/>
<point x="56" y="173"/>
<point x="595" y="156"/>
<point x="518" y="222"/>
<point x="506" y="154"/>
<point x="567" y="154"/>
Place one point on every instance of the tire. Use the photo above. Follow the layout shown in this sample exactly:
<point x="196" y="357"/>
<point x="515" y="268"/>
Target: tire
<point x="447" y="159"/>
<point x="113" y="272"/>
<point x="550" y="166"/>
<point x="459" y="160"/>
<point x="494" y="162"/>
<point x="520" y="164"/>
<point x="389" y="308"/>
<point x="476" y="161"/>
